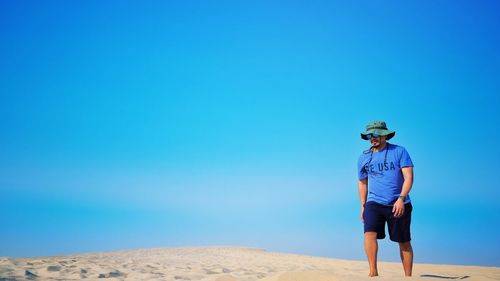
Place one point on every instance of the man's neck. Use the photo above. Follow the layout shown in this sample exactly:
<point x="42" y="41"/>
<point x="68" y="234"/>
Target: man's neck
<point x="380" y="147"/>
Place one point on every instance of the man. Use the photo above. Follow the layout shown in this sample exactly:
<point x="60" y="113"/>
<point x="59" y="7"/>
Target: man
<point x="385" y="173"/>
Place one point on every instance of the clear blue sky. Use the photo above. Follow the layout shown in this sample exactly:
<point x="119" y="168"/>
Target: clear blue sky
<point x="173" y="123"/>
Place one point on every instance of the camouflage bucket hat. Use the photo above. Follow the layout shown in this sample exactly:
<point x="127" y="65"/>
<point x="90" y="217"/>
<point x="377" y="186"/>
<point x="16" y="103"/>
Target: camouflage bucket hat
<point x="379" y="128"/>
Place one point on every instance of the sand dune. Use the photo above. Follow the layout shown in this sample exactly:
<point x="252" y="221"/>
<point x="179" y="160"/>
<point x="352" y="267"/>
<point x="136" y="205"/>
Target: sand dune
<point x="219" y="264"/>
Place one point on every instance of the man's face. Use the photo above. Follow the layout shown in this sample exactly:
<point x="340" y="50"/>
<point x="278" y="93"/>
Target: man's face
<point x="377" y="141"/>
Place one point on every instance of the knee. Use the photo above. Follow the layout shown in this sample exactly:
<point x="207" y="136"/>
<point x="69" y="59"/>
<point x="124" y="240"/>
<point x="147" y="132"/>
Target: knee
<point x="371" y="235"/>
<point x="405" y="246"/>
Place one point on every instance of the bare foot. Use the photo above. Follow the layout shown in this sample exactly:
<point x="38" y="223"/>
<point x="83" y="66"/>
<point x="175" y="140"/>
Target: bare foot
<point x="373" y="274"/>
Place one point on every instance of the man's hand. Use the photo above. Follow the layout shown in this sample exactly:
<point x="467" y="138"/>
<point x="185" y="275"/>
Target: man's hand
<point x="399" y="208"/>
<point x="362" y="211"/>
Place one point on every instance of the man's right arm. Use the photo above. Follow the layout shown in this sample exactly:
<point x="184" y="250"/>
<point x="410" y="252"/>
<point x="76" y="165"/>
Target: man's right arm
<point x="363" y="191"/>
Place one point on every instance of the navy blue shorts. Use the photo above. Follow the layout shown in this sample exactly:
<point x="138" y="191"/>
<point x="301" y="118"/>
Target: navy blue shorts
<point x="376" y="215"/>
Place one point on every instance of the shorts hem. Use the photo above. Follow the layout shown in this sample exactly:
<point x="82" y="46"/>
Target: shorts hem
<point x="400" y="240"/>
<point x="378" y="237"/>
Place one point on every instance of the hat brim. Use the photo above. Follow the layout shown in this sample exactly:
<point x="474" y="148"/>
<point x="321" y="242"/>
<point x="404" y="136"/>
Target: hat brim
<point x="387" y="133"/>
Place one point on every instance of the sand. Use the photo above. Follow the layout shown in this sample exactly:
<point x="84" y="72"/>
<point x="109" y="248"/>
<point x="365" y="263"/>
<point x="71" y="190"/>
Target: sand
<point x="220" y="264"/>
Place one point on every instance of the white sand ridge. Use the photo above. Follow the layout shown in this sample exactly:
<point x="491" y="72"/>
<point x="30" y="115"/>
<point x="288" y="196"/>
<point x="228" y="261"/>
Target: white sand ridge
<point x="219" y="264"/>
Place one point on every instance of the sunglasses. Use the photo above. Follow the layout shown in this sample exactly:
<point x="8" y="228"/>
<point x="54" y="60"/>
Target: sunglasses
<point x="369" y="136"/>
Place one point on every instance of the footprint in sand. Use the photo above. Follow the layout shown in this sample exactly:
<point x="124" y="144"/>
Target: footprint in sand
<point x="226" y="278"/>
<point x="295" y="276"/>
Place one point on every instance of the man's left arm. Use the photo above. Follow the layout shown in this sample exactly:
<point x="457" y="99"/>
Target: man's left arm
<point x="399" y="206"/>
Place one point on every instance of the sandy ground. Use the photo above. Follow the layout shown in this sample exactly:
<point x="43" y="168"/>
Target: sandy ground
<point x="220" y="264"/>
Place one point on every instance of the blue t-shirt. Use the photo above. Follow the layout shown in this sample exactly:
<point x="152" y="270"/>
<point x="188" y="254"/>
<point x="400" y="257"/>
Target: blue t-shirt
<point x="383" y="170"/>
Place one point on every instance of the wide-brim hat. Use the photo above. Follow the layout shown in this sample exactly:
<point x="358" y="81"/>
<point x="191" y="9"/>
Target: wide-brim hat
<point x="379" y="128"/>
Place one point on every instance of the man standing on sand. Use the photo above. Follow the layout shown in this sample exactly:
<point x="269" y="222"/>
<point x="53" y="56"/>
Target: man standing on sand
<point x="385" y="173"/>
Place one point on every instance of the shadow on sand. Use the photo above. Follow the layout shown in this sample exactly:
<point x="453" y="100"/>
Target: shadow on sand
<point x="444" y="277"/>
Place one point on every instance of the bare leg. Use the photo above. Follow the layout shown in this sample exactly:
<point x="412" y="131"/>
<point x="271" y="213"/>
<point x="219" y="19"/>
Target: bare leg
<point x="406" y="252"/>
<point x="371" y="248"/>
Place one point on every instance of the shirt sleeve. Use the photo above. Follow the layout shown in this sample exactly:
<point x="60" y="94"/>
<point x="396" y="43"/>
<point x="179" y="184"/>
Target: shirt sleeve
<point x="362" y="174"/>
<point x="405" y="160"/>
